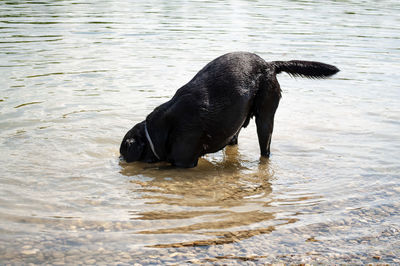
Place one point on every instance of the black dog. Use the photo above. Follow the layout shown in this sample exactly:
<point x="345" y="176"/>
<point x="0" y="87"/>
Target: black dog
<point x="207" y="113"/>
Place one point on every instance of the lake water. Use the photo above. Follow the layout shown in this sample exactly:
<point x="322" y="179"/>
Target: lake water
<point x="75" y="76"/>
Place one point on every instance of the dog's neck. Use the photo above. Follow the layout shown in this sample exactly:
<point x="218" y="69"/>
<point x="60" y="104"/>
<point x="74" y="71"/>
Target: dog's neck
<point x="150" y="142"/>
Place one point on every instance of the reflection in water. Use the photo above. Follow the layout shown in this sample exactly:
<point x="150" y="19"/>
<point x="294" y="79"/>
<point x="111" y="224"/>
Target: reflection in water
<point x="224" y="201"/>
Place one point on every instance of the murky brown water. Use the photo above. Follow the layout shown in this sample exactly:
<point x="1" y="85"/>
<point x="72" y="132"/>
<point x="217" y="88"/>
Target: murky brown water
<point x="75" y="77"/>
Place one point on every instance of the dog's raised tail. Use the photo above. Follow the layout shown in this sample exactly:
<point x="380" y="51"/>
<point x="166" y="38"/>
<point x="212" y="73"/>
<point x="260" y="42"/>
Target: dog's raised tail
<point x="309" y="69"/>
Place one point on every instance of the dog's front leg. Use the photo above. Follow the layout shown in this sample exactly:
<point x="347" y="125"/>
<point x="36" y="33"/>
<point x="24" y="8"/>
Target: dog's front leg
<point x="186" y="150"/>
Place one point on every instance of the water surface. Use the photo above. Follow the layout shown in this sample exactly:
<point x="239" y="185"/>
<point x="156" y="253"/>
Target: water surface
<point x="76" y="76"/>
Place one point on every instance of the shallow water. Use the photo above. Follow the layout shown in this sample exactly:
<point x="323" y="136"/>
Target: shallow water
<point x="75" y="77"/>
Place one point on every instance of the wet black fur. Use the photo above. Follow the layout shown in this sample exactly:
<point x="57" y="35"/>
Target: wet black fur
<point x="208" y="112"/>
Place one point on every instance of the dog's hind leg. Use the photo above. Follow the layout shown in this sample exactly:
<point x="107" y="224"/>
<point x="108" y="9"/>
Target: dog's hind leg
<point x="266" y="103"/>
<point x="234" y="140"/>
<point x="265" y="126"/>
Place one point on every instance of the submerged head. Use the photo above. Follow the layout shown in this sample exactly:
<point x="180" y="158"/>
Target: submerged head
<point x="134" y="143"/>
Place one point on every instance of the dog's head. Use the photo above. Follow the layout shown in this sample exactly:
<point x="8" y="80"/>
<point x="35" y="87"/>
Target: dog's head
<point x="134" y="143"/>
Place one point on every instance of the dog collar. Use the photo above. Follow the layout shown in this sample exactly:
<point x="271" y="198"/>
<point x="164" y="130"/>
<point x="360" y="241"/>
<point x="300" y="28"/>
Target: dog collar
<point x="150" y="142"/>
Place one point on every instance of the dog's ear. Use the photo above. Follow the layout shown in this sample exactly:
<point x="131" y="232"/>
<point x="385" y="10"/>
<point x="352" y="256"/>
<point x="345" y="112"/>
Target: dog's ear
<point x="133" y="144"/>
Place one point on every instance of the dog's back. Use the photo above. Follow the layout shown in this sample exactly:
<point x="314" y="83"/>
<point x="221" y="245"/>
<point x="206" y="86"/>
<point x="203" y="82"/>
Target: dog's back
<point x="225" y="89"/>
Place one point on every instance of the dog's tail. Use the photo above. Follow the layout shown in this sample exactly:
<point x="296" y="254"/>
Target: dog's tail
<point x="309" y="69"/>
